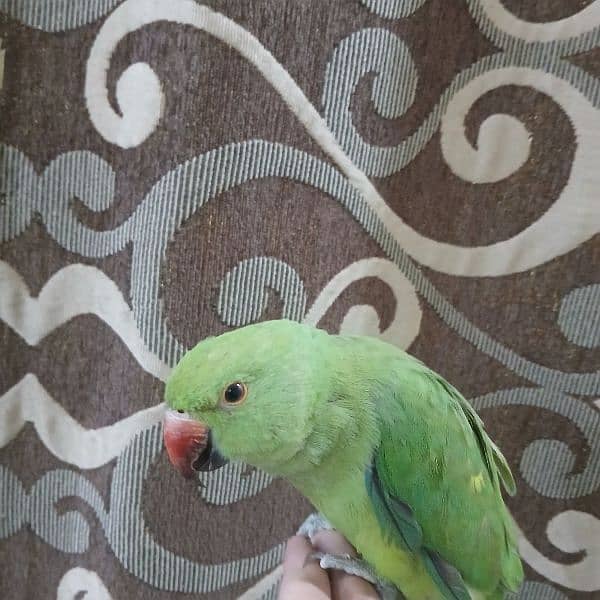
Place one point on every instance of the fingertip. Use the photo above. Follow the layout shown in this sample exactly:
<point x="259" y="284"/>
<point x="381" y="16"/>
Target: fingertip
<point x="296" y="551"/>
<point x="332" y="542"/>
<point x="301" y="573"/>
<point x="297" y="541"/>
<point x="344" y="586"/>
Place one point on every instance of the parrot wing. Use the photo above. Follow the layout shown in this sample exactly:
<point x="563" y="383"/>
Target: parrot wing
<point x="496" y="464"/>
<point x="434" y="483"/>
<point x="397" y="519"/>
<point x="394" y="515"/>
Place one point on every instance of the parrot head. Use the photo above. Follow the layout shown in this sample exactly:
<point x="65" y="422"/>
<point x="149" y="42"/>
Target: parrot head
<point x="233" y="397"/>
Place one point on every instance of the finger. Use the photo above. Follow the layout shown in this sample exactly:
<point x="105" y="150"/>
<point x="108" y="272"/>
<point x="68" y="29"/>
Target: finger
<point x="303" y="577"/>
<point x="343" y="585"/>
<point x="332" y="542"/>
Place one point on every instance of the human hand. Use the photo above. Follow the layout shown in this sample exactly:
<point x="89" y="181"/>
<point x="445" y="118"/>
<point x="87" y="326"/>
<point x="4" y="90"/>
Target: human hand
<point x="304" y="579"/>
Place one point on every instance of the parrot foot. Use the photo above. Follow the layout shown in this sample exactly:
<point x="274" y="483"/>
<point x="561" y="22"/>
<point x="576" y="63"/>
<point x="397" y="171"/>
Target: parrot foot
<point x="349" y="564"/>
<point x="360" y="568"/>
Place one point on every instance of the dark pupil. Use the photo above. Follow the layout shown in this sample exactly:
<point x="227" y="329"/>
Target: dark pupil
<point x="234" y="392"/>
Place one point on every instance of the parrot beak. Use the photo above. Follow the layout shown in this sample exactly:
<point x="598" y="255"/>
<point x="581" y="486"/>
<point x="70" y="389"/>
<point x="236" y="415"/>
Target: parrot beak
<point x="189" y="444"/>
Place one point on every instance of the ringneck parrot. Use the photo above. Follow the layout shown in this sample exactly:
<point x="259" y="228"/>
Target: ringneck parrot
<point x="387" y="450"/>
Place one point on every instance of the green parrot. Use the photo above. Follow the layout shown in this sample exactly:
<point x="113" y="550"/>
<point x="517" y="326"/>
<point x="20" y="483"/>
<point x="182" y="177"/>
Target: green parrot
<point x="388" y="451"/>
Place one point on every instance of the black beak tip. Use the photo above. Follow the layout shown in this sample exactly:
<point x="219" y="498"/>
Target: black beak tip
<point x="210" y="459"/>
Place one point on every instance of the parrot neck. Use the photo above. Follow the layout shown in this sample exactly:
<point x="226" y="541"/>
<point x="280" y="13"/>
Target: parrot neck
<point x="343" y="430"/>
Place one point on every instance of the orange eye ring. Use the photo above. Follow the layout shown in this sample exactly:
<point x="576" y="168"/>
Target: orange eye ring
<point x="234" y="394"/>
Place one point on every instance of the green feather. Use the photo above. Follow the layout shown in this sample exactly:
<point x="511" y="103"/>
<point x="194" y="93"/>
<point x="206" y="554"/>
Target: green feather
<point x="494" y="460"/>
<point x="395" y="517"/>
<point x="508" y="481"/>
<point x="447" y="578"/>
<point x="398" y="521"/>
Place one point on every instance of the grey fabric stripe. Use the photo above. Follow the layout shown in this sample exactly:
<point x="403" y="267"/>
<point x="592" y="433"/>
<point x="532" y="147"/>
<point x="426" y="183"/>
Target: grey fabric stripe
<point x="272" y="593"/>
<point x="393" y="9"/>
<point x="57" y="15"/>
<point x="551" y="49"/>
<point x="231" y="484"/>
<point x="536" y="590"/>
<point x="579" y="316"/>
<point x="68" y="532"/>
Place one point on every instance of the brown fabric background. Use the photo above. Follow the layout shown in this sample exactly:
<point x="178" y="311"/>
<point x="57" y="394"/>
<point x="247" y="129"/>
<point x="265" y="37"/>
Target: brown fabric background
<point x="213" y="97"/>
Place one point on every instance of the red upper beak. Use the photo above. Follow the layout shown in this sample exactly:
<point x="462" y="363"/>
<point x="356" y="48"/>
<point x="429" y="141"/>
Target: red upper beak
<point x="185" y="440"/>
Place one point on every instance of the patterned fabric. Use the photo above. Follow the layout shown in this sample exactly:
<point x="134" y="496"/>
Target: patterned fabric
<point x="422" y="170"/>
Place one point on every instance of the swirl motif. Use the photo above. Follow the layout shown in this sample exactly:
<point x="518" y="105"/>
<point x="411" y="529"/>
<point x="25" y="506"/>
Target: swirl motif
<point x="90" y="292"/>
<point x="547" y="465"/>
<point x="393" y="93"/>
<point x="123" y="523"/>
<point x="183" y="191"/>
<point x="572" y="532"/>
<point x="68" y="532"/>
<point x="569" y="86"/>
<point x="363" y="319"/>
<point x="243" y="294"/>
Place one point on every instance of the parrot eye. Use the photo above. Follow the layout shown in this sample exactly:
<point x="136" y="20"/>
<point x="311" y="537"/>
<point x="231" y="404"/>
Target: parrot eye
<point x="235" y="393"/>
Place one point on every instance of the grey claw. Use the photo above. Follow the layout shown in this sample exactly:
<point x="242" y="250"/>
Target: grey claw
<point x="313" y="524"/>
<point x="314" y="556"/>
<point x="324" y="558"/>
<point x="348" y="564"/>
